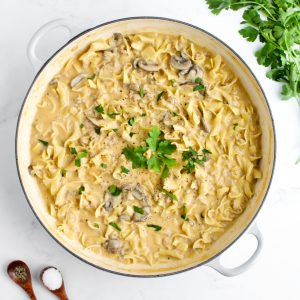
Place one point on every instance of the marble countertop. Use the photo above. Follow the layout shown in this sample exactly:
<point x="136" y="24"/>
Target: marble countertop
<point x="275" y="275"/>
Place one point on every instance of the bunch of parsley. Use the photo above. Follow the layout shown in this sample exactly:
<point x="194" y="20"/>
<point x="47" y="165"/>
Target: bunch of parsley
<point x="160" y="149"/>
<point x="277" y="25"/>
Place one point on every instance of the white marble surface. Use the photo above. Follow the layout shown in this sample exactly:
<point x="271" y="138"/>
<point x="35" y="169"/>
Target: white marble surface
<point x="276" y="273"/>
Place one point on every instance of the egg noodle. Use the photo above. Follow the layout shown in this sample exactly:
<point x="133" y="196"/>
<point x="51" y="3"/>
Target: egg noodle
<point x="146" y="148"/>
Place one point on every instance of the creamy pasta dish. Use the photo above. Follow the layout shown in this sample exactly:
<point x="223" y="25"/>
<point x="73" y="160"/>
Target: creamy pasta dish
<point x="146" y="148"/>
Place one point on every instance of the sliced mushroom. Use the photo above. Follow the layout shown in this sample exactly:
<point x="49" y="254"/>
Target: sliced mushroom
<point x="117" y="41"/>
<point x="111" y="201"/>
<point x="113" y="245"/>
<point x="77" y="79"/>
<point x="148" y="66"/>
<point x="181" y="62"/>
<point x="139" y="193"/>
<point x="189" y="76"/>
<point x="137" y="217"/>
<point x="93" y="117"/>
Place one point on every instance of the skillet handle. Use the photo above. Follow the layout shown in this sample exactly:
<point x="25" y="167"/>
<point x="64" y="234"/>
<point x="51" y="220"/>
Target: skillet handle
<point x="35" y="61"/>
<point x="229" y="272"/>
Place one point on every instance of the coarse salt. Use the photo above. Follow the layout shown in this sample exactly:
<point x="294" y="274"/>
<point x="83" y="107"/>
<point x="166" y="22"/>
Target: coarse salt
<point x="52" y="279"/>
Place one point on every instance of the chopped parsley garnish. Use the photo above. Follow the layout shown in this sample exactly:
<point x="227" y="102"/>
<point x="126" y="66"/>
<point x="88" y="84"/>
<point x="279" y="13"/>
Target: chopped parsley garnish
<point x="142" y="92"/>
<point x="138" y="210"/>
<point x="81" y="125"/>
<point x="98" y="130"/>
<point x="63" y="172"/>
<point x="77" y="162"/>
<point x="193" y="158"/>
<point x="45" y="143"/>
<point x="124" y="170"/>
<point x="143" y="114"/>
<point x="114" y="190"/>
<point x="99" y="109"/>
<point x="81" y="190"/>
<point x="131" y="134"/>
<point x="199" y="86"/>
<point x="96" y="225"/>
<point x="173" y="82"/>
<point x="79" y="156"/>
<point x="235" y="125"/>
<point x="160" y="95"/>
<point x="92" y="77"/>
<point x="113" y="114"/>
<point x="73" y="151"/>
<point x="82" y="154"/>
<point x="131" y="121"/>
<point x="115" y="129"/>
<point x="155" y="227"/>
<point x="170" y="195"/>
<point x="184" y="212"/>
<point x="114" y="225"/>
<point x="160" y="148"/>
<point x="198" y="80"/>
<point x="104" y="166"/>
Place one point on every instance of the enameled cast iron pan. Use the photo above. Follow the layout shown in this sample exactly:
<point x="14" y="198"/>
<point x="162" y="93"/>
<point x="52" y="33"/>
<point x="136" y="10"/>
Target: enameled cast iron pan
<point x="133" y="25"/>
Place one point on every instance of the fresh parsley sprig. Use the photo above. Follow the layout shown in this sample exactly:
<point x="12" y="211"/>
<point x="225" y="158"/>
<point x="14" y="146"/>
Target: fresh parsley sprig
<point x="276" y="24"/>
<point x="159" y="160"/>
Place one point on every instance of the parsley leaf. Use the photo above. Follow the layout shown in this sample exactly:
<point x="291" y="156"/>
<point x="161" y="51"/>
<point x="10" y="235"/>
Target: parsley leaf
<point x="131" y="121"/>
<point x="99" y="109"/>
<point x="142" y="92"/>
<point x="235" y="125"/>
<point x="136" y="156"/>
<point x="79" y="156"/>
<point x="81" y="190"/>
<point x="96" y="225"/>
<point x="155" y="227"/>
<point x="104" y="166"/>
<point x="92" y="77"/>
<point x="114" y="190"/>
<point x="77" y="162"/>
<point x="113" y="114"/>
<point x="63" y="172"/>
<point x="98" y="130"/>
<point x="82" y="154"/>
<point x="170" y="195"/>
<point x="249" y="33"/>
<point x="166" y="147"/>
<point x="45" y="143"/>
<point x="160" y="95"/>
<point x="153" y="138"/>
<point x="138" y="210"/>
<point x="124" y="170"/>
<point x="73" y="151"/>
<point x="154" y="163"/>
<point x="193" y="158"/>
<point x="114" y="225"/>
<point x="184" y="213"/>
<point x="199" y="86"/>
